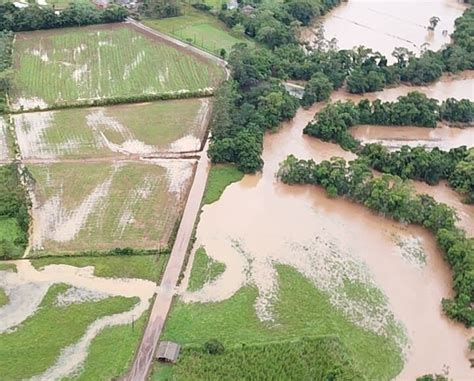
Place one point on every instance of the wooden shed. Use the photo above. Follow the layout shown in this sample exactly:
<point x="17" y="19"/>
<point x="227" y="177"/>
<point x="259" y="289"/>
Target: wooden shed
<point x="168" y="351"/>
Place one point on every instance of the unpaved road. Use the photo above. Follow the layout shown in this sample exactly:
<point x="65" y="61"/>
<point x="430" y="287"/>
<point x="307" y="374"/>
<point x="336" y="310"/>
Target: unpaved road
<point x="166" y="291"/>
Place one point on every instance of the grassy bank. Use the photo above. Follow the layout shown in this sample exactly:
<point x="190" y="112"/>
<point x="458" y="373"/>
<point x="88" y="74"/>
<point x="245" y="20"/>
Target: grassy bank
<point x="301" y="311"/>
<point x="204" y="270"/>
<point x="148" y="267"/>
<point x="40" y="339"/>
<point x="220" y="176"/>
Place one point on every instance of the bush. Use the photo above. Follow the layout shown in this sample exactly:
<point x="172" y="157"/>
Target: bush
<point x="213" y="347"/>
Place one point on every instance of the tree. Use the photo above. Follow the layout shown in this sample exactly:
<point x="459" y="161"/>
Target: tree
<point x="318" y="89"/>
<point x="434" y="20"/>
<point x="213" y="347"/>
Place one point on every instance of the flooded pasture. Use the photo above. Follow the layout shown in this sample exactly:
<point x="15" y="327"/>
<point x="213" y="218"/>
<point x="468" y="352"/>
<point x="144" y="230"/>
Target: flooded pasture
<point x="385" y="25"/>
<point x="259" y="222"/>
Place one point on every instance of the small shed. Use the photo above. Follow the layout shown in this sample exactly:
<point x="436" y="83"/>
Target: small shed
<point x="168" y="351"/>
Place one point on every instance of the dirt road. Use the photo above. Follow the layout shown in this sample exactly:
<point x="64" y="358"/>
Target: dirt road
<point x="166" y="291"/>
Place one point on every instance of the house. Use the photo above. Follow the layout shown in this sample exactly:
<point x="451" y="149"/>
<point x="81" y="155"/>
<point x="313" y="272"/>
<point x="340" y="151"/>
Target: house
<point x="168" y="352"/>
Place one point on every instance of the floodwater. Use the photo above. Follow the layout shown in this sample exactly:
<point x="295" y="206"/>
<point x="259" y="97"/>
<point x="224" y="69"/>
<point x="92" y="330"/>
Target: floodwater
<point x="393" y="137"/>
<point x="259" y="222"/>
<point x="383" y="25"/>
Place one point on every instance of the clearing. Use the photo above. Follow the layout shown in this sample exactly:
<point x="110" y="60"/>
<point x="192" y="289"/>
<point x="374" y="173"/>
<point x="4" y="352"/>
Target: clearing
<point x="201" y="30"/>
<point x="133" y="129"/>
<point x="101" y="206"/>
<point x="114" y="61"/>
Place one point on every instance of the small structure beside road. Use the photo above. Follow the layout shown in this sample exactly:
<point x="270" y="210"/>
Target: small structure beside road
<point x="168" y="352"/>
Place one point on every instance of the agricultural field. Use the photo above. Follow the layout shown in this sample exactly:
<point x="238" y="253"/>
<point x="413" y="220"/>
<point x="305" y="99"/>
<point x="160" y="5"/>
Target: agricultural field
<point x="302" y="311"/>
<point x="201" y="30"/>
<point x="124" y="130"/>
<point x="104" y="205"/>
<point x="114" y="62"/>
<point x="90" y="314"/>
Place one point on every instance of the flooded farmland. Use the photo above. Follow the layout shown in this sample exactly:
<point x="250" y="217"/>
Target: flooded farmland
<point x="300" y="226"/>
<point x="384" y="25"/>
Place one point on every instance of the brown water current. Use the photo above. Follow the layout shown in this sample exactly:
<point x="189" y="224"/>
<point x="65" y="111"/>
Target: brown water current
<point x="259" y="222"/>
<point x="383" y="25"/>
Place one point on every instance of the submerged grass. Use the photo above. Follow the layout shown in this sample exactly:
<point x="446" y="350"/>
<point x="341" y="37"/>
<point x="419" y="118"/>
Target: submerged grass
<point x="220" y="176"/>
<point x="40" y="339"/>
<point x="301" y="311"/>
<point x="111" y="352"/>
<point x="149" y="267"/>
<point x="204" y="270"/>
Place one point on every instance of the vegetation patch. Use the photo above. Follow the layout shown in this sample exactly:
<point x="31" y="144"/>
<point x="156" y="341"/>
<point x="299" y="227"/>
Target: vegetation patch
<point x="102" y="206"/>
<point x="59" y="67"/>
<point x="137" y="129"/>
<point x="148" y="267"/>
<point x="321" y="358"/>
<point x="14" y="217"/>
<point x="204" y="270"/>
<point x="41" y="337"/>
<point x="301" y="311"/>
<point x="220" y="176"/>
<point x="7" y="266"/>
<point x="202" y="30"/>
<point x="3" y="297"/>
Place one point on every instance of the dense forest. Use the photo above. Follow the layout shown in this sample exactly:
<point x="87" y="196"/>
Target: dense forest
<point x="6" y="42"/>
<point x="392" y="197"/>
<point x="35" y="17"/>
<point x="275" y="26"/>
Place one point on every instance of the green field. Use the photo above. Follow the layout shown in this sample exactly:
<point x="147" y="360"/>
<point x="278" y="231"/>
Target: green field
<point x="200" y="29"/>
<point x="100" y="206"/>
<point x="75" y="65"/>
<point x="301" y="310"/>
<point x="41" y="337"/>
<point x="149" y="267"/>
<point x="100" y="364"/>
<point x="147" y="128"/>
<point x="320" y="358"/>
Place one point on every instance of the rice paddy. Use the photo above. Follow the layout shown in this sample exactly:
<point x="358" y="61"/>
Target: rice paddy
<point x="101" y="206"/>
<point x="76" y="65"/>
<point x="124" y="130"/>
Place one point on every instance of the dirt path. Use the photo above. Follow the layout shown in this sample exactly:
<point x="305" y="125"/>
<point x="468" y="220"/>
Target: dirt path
<point x="167" y="289"/>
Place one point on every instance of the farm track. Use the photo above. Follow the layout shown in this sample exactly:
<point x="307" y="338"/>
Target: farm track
<point x="167" y="289"/>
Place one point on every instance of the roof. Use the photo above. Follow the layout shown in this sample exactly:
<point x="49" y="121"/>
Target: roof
<point x="168" y="351"/>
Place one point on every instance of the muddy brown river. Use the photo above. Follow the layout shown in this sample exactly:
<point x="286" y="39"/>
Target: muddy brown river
<point x="384" y="25"/>
<point x="259" y="221"/>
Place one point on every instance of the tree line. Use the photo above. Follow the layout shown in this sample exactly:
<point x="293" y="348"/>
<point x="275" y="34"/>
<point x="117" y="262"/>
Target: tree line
<point x="392" y="197"/>
<point x="326" y="69"/>
<point x="35" y="17"/>
<point x="332" y="124"/>
<point x="13" y="204"/>
<point x="6" y="46"/>
<point x="276" y="27"/>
